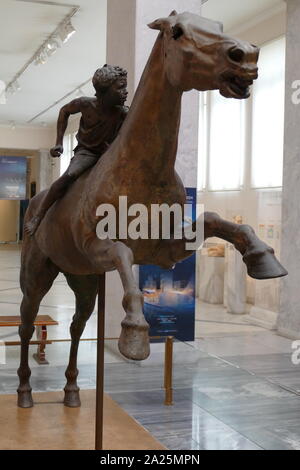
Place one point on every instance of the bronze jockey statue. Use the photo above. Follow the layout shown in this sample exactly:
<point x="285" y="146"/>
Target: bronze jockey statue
<point x="101" y="120"/>
<point x="190" y="52"/>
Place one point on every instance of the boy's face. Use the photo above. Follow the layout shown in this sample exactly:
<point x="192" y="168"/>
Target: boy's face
<point x="117" y="93"/>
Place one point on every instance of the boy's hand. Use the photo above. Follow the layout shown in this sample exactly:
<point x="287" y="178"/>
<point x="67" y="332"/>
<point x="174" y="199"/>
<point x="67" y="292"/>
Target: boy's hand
<point x="56" y="151"/>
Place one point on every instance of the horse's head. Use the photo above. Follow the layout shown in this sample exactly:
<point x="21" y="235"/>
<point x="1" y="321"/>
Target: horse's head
<point x="199" y="56"/>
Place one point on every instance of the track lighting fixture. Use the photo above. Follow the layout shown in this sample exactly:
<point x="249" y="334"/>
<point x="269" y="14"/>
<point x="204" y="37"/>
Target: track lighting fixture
<point x="60" y="36"/>
<point x="17" y="85"/>
<point x="52" y="46"/>
<point x="66" y="31"/>
<point x="13" y="87"/>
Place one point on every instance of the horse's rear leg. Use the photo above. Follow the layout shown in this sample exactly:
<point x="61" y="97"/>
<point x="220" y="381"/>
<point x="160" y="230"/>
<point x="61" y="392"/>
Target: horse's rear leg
<point x="37" y="276"/>
<point x="29" y="310"/>
<point x="85" y="289"/>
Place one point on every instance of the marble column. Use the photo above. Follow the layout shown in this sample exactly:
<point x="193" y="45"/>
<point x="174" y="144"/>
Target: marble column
<point x="210" y="269"/>
<point x="236" y="282"/>
<point x="129" y="43"/>
<point x="289" y="317"/>
<point x="45" y="171"/>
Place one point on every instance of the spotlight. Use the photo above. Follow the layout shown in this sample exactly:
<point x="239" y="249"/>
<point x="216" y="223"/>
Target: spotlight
<point x="41" y="58"/>
<point x="66" y="31"/>
<point x="37" y="60"/>
<point x="13" y="88"/>
<point x="52" y="46"/>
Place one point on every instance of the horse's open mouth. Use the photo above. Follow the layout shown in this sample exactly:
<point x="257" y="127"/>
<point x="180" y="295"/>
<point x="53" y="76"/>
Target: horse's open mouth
<point x="233" y="86"/>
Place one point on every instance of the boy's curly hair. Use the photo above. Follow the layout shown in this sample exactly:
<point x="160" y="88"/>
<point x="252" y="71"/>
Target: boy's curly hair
<point x="106" y="76"/>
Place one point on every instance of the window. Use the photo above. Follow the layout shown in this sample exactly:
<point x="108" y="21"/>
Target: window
<point x="227" y="124"/>
<point x="69" y="143"/>
<point x="268" y="117"/>
<point x="226" y="143"/>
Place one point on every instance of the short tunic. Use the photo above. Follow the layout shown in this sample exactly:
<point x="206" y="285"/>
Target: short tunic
<point x="96" y="139"/>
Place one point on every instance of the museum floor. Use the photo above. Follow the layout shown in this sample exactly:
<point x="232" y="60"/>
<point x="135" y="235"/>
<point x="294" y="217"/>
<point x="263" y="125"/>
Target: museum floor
<point x="235" y="388"/>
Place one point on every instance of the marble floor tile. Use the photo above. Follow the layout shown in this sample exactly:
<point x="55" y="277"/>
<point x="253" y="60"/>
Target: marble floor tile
<point x="265" y="363"/>
<point x="242" y="345"/>
<point x="216" y="329"/>
<point x="184" y="426"/>
<point x="277" y="343"/>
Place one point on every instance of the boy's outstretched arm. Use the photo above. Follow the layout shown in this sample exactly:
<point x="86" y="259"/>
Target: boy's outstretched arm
<point x="73" y="107"/>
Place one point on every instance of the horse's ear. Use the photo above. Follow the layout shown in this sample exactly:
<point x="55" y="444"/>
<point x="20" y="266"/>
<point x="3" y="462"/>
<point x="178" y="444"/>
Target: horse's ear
<point x="173" y="13"/>
<point x="160" y="24"/>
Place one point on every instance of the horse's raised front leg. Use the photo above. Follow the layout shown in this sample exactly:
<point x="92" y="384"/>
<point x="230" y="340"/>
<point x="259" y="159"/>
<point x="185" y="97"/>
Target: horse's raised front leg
<point x="85" y="289"/>
<point x="134" y="338"/>
<point x="259" y="258"/>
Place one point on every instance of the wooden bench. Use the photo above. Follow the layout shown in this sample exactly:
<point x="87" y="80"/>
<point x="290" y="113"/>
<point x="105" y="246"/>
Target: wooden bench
<point x="41" y="323"/>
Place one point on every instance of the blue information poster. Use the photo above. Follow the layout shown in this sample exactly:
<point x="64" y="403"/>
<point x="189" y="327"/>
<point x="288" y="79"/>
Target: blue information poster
<point x="13" y="177"/>
<point x="169" y="295"/>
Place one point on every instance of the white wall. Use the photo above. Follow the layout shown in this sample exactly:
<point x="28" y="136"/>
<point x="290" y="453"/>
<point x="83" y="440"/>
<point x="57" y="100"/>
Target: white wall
<point x="245" y="202"/>
<point x="264" y="28"/>
<point x="16" y="140"/>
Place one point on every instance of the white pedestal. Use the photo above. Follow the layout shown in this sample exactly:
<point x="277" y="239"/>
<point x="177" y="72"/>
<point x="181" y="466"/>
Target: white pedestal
<point x="236" y="286"/>
<point x="211" y="279"/>
<point x="262" y="317"/>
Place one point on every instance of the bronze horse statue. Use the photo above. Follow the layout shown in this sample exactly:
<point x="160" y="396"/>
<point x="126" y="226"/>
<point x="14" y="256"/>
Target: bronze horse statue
<point x="190" y="52"/>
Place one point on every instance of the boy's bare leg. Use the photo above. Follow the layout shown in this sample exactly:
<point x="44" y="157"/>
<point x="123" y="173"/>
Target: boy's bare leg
<point x="56" y="192"/>
<point x="78" y="165"/>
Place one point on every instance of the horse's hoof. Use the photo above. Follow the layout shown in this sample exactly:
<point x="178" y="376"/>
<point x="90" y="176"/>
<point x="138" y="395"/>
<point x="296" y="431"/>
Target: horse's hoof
<point x="134" y="340"/>
<point x="264" y="265"/>
<point x="72" y="399"/>
<point x="25" y="400"/>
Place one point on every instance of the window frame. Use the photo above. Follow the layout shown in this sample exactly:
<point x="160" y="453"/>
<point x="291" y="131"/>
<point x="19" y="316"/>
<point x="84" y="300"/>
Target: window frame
<point x="251" y="185"/>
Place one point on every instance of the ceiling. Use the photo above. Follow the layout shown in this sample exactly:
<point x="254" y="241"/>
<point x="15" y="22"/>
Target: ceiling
<point x="236" y="12"/>
<point x="26" y="24"/>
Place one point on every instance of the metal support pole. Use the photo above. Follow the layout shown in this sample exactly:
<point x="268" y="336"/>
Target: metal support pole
<point x="168" y="371"/>
<point x="100" y="364"/>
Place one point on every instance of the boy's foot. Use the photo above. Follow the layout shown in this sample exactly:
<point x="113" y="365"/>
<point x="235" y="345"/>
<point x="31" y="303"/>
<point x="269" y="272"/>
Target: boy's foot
<point x="32" y="226"/>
